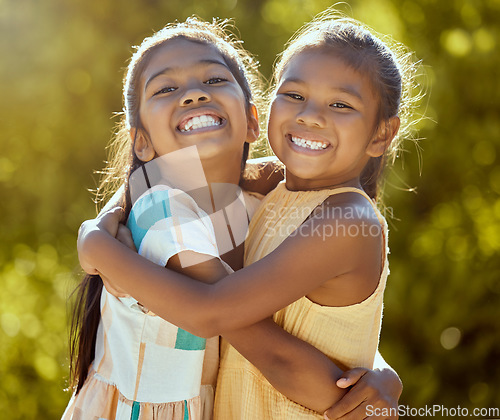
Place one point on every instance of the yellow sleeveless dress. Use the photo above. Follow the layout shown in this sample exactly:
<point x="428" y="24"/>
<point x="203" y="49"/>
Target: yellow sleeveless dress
<point x="348" y="334"/>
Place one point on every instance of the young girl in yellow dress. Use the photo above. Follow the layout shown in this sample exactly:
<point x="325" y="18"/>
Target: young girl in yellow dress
<point x="317" y="245"/>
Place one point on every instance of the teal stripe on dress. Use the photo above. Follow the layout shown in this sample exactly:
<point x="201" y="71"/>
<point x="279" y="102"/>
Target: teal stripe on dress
<point x="186" y="410"/>
<point x="146" y="212"/>
<point x="136" y="409"/>
<point x="188" y="341"/>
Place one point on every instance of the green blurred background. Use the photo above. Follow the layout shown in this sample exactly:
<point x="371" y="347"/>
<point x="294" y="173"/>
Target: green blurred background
<point x="61" y="69"/>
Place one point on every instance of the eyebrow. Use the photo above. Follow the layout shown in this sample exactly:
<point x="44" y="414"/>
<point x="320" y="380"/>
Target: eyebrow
<point x="167" y="70"/>
<point x="349" y="89"/>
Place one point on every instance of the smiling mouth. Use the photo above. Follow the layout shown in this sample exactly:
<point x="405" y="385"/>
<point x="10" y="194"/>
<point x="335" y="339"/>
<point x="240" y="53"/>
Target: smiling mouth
<point x="198" y="122"/>
<point x="309" y="144"/>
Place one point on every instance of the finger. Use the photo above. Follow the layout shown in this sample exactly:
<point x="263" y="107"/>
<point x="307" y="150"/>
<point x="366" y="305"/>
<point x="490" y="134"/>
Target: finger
<point x="118" y="211"/>
<point x="114" y="213"/>
<point x="373" y="410"/>
<point x="381" y="410"/>
<point x="125" y="237"/>
<point x="350" y="377"/>
<point x="110" y="220"/>
<point x="367" y="411"/>
<point x="349" y="402"/>
<point x="360" y="412"/>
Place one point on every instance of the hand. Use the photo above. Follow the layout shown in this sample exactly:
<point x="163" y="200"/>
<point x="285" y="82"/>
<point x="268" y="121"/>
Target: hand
<point x="108" y="222"/>
<point x="125" y="237"/>
<point x="373" y="392"/>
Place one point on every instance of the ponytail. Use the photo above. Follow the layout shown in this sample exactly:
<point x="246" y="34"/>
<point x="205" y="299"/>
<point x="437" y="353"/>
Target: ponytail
<point x="83" y="331"/>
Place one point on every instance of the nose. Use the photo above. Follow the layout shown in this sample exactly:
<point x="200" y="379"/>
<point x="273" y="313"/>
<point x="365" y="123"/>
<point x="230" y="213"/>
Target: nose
<point x="194" y="96"/>
<point x="311" y="115"/>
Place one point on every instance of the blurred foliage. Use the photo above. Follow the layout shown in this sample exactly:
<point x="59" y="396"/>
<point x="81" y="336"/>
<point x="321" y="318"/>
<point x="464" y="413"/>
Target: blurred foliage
<point x="61" y="71"/>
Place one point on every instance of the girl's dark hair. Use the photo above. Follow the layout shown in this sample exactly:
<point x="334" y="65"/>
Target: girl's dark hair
<point x="123" y="161"/>
<point x="390" y="69"/>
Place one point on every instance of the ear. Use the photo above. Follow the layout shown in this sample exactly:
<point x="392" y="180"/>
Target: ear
<point x="383" y="137"/>
<point x="143" y="147"/>
<point x="253" y="129"/>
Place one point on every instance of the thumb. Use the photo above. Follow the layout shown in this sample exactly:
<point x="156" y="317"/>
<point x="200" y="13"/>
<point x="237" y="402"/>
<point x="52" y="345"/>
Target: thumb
<point x="116" y="212"/>
<point x="350" y="377"/>
<point x="125" y="237"/>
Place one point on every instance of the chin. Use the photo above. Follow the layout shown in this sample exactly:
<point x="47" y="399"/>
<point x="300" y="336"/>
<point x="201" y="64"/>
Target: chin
<point x="214" y="149"/>
<point x="303" y="171"/>
<point x="209" y="148"/>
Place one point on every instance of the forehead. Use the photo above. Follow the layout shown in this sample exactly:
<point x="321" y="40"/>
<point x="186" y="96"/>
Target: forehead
<point x="326" y="67"/>
<point x="181" y="53"/>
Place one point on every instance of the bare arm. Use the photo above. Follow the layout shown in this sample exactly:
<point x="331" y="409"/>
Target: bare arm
<point x="296" y="377"/>
<point x="298" y="266"/>
<point x="376" y="390"/>
<point x="295" y="368"/>
<point x="263" y="174"/>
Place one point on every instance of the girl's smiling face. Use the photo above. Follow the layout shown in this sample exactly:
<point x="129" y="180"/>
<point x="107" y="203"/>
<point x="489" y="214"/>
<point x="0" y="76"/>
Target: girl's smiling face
<point x="190" y="97"/>
<point x="322" y="123"/>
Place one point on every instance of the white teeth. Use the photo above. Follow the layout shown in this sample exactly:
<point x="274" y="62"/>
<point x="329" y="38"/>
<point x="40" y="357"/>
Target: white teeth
<point x="309" y="144"/>
<point x="199" y="122"/>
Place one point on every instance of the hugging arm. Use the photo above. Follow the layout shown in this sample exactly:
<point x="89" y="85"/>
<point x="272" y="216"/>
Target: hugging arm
<point x="294" y="377"/>
<point x="376" y="390"/>
<point x="298" y="266"/>
<point x="262" y="174"/>
<point x="295" y="368"/>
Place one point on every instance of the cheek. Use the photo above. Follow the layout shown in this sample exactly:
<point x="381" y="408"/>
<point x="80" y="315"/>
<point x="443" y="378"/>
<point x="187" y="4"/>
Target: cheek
<point x="283" y="111"/>
<point x="352" y="122"/>
<point x="158" y="107"/>
<point x="149" y="115"/>
<point x="275" y="114"/>
<point x="274" y="137"/>
<point x="238" y="108"/>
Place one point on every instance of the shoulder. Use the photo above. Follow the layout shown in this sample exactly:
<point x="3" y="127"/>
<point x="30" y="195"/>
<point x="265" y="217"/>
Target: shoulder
<point x="161" y="208"/>
<point x="164" y="201"/>
<point x="346" y="216"/>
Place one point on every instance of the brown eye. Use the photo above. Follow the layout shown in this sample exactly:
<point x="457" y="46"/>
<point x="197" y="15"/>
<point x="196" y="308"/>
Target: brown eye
<point x="215" y="80"/>
<point x="295" y="96"/>
<point x="340" y="105"/>
<point x="164" y="90"/>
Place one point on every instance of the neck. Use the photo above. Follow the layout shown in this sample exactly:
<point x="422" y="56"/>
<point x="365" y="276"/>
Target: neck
<point x="221" y="171"/>
<point x="294" y="183"/>
<point x="184" y="170"/>
<point x="221" y="185"/>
